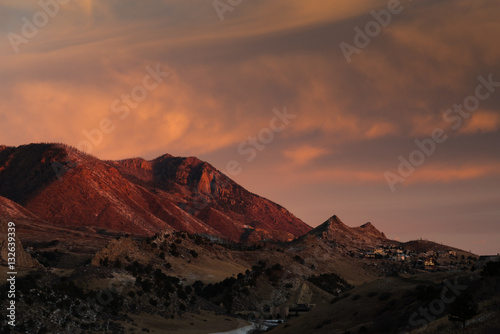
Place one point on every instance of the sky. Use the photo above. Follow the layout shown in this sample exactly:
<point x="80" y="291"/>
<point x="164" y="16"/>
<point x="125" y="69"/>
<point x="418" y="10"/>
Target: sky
<point x="376" y="111"/>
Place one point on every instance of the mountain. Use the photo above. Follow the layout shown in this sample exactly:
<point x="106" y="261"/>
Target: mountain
<point x="362" y="237"/>
<point x="10" y="210"/>
<point x="60" y="185"/>
<point x="92" y="223"/>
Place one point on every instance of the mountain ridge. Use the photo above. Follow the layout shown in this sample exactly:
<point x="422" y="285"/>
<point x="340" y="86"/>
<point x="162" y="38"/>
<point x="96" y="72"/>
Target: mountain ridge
<point x="359" y="238"/>
<point x="69" y="188"/>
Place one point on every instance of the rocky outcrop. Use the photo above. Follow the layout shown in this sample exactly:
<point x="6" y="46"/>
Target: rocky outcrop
<point x="369" y="229"/>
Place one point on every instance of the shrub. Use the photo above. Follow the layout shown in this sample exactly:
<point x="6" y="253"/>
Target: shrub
<point x="299" y="259"/>
<point x="174" y="253"/>
<point x="182" y="294"/>
<point x="277" y="266"/>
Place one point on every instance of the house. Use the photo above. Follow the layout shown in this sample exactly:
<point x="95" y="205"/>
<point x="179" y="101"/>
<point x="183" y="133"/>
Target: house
<point x="400" y="257"/>
<point x="369" y="255"/>
<point x="379" y="252"/>
<point x="429" y="262"/>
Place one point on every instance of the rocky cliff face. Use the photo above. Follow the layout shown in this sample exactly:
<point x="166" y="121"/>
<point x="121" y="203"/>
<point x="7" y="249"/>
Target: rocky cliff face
<point x="60" y="185"/>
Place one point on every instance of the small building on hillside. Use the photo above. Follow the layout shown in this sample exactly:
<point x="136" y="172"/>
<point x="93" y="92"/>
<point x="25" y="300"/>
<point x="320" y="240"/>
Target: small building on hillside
<point x="369" y="255"/>
<point x="399" y="257"/>
<point x="379" y="252"/>
<point x="429" y="262"/>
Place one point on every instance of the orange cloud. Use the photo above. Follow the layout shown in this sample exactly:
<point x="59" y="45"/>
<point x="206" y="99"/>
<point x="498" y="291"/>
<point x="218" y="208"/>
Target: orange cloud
<point x="304" y="154"/>
<point x="381" y="130"/>
<point x="441" y="173"/>
<point x="375" y="175"/>
<point x="481" y="121"/>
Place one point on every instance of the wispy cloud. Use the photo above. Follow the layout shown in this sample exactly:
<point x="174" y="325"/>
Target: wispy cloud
<point x="304" y="154"/>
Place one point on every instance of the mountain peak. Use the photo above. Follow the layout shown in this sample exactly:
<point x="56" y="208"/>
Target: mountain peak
<point x="334" y="220"/>
<point x="334" y="230"/>
<point x="370" y="228"/>
<point x="329" y="228"/>
<point x="57" y="183"/>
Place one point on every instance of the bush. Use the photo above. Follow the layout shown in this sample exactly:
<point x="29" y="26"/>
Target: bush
<point x="174" y="253"/>
<point x="299" y="259"/>
<point x="146" y="285"/>
<point x="182" y="294"/>
<point x="198" y="240"/>
<point x="277" y="266"/>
